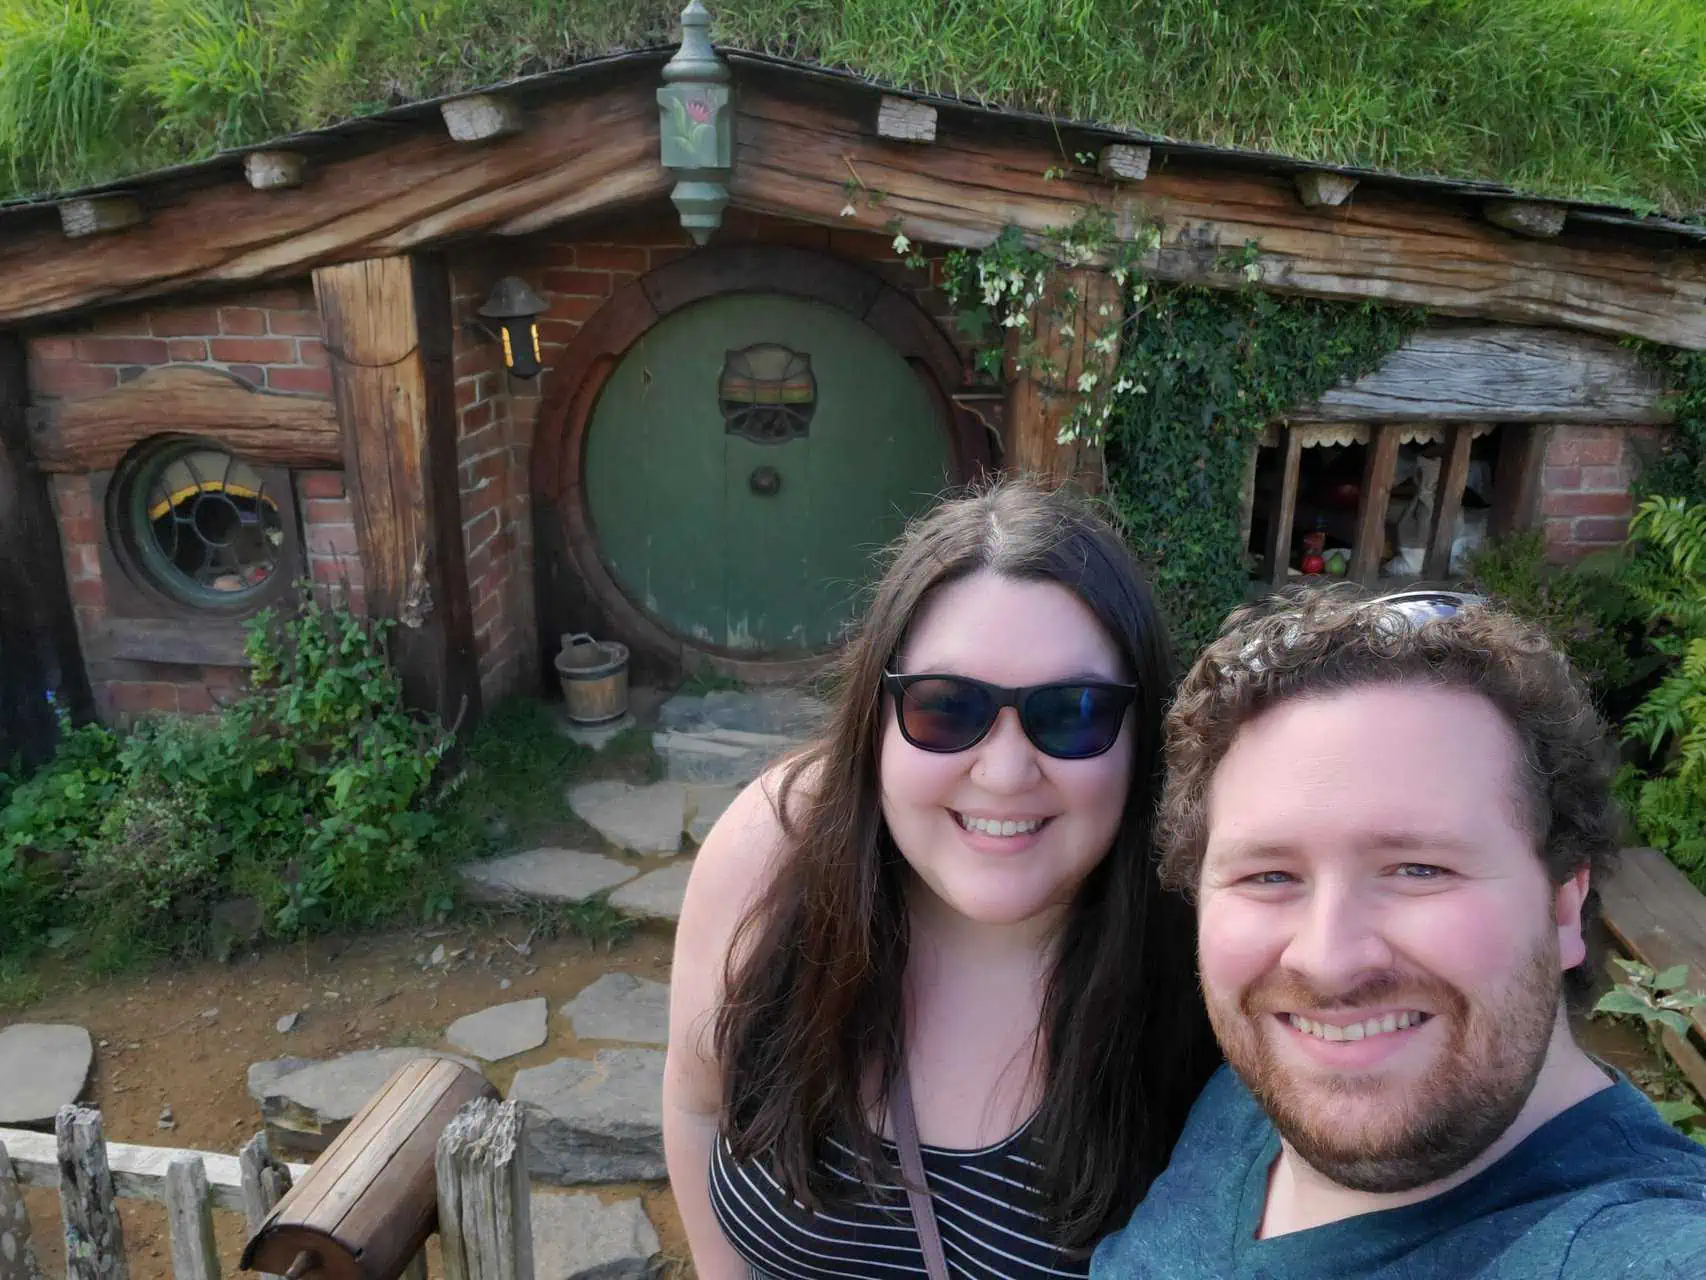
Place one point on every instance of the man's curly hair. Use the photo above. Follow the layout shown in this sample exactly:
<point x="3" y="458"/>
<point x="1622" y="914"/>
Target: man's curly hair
<point x="1315" y="641"/>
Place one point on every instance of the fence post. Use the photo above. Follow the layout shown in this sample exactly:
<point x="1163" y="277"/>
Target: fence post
<point x="189" y="1214"/>
<point x="17" y="1259"/>
<point x="265" y="1180"/>
<point x="94" y="1237"/>
<point x="485" y="1223"/>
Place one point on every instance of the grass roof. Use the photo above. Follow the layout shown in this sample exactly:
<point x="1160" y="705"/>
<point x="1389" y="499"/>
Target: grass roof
<point x="1600" y="99"/>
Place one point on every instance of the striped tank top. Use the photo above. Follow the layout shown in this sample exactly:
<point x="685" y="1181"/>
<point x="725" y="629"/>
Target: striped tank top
<point x="988" y="1209"/>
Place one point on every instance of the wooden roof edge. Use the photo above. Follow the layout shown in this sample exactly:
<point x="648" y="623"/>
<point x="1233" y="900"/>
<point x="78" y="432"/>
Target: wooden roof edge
<point x="369" y="131"/>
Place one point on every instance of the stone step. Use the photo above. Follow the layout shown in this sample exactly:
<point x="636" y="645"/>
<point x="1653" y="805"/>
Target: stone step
<point x="657" y="895"/>
<point x="544" y="875"/>
<point x="594" y="1122"/>
<point x="620" y="1006"/>
<point x="502" y="1031"/>
<point x="646" y="819"/>
<point x="576" y="1236"/>
<point x="43" y="1067"/>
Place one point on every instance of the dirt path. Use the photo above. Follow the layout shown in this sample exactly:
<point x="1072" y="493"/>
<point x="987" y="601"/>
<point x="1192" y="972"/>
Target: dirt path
<point x="185" y="1040"/>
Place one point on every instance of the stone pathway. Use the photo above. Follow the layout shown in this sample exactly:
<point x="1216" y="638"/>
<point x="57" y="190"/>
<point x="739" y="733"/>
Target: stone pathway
<point x="729" y="737"/>
<point x="579" y="1237"/>
<point x="647" y="819"/>
<point x="306" y="1103"/>
<point x="620" y="1006"/>
<point x="502" y="1031"/>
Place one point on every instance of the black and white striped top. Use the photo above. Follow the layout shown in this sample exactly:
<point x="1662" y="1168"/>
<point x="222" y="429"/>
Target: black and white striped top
<point x="987" y="1203"/>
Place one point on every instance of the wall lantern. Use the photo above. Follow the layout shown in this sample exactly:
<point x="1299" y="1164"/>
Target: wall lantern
<point x="693" y="126"/>
<point x="516" y="308"/>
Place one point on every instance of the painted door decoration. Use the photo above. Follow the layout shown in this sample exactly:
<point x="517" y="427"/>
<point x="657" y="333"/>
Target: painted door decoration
<point x="747" y="458"/>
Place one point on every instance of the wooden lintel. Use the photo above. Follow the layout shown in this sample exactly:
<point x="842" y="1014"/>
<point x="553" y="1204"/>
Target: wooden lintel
<point x="95" y="214"/>
<point x="481" y="117"/>
<point x="1379" y="468"/>
<point x="1322" y="189"/>
<point x="396" y="401"/>
<point x="94" y="433"/>
<point x="903" y="120"/>
<point x="1534" y="218"/>
<point x="1121" y="162"/>
<point x="274" y="170"/>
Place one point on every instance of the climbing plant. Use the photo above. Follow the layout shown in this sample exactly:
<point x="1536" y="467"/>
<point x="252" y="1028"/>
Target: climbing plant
<point x="1199" y="374"/>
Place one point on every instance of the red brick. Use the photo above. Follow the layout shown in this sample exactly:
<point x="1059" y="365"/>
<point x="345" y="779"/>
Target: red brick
<point x="329" y="511"/>
<point x="252" y="374"/>
<point x="332" y="540"/>
<point x="478" y="529"/>
<point x="610" y="257"/>
<point x="1587" y="504"/>
<point x="188" y="350"/>
<point x="1559" y="532"/>
<point x="195" y="700"/>
<point x="89" y="591"/>
<point x="71" y="496"/>
<point x="121" y="350"/>
<point x="83" y="559"/>
<point x="303" y="381"/>
<point x="320" y="484"/>
<point x="473" y="360"/>
<point x="861" y="244"/>
<point x="467" y="393"/>
<point x="487" y="612"/>
<point x="283" y="298"/>
<point x="1601" y="529"/>
<point x="253" y="350"/>
<point x="1601" y="448"/>
<point x="330" y="570"/>
<point x="655" y="258"/>
<point x="312" y="352"/>
<point x="79" y="529"/>
<point x="1602" y="478"/>
<point x="304" y="324"/>
<point x="242" y="320"/>
<point x="185" y="322"/>
<point x="479" y="416"/>
<point x="131" y="323"/>
<point x="52" y="349"/>
<point x="596" y="284"/>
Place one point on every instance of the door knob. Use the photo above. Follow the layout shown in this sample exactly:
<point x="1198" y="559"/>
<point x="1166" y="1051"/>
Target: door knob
<point x="765" y="481"/>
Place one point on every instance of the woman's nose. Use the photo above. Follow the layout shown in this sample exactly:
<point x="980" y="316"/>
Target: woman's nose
<point x="1006" y="761"/>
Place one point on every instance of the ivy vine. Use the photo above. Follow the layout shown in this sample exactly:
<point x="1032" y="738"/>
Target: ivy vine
<point x="1679" y="470"/>
<point x="1200" y="372"/>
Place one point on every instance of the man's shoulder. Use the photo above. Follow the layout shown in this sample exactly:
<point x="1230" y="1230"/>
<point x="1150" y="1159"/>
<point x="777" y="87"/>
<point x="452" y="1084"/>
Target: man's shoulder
<point x="1654" y="1229"/>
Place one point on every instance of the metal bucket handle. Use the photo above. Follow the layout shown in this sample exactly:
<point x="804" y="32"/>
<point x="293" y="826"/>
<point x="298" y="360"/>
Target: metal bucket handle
<point x="590" y="654"/>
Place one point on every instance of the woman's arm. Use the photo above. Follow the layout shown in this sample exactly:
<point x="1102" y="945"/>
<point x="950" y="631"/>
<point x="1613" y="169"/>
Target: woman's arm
<point x="733" y="866"/>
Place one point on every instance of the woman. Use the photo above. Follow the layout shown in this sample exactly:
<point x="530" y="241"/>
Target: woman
<point x="952" y="888"/>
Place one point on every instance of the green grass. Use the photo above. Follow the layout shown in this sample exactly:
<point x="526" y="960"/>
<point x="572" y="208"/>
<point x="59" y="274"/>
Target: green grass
<point x="514" y="777"/>
<point x="1591" y="98"/>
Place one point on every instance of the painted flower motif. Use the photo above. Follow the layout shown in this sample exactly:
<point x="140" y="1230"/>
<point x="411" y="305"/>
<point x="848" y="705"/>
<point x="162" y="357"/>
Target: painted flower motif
<point x="698" y="111"/>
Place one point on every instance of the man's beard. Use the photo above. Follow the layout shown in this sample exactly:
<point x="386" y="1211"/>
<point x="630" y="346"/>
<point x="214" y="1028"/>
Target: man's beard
<point x="1435" y="1125"/>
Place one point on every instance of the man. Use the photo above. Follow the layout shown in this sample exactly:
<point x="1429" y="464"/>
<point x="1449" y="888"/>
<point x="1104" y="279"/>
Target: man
<point x="1391" y="815"/>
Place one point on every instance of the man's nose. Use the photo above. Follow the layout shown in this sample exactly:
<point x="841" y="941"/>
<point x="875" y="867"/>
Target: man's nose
<point x="1006" y="761"/>
<point x="1338" y="942"/>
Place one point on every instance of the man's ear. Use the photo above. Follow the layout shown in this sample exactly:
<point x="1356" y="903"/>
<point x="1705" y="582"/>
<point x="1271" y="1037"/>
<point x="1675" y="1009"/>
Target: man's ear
<point x="1567" y="903"/>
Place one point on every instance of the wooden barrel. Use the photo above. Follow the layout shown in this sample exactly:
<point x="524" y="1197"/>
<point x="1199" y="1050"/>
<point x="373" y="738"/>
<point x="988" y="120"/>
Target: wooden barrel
<point x="594" y="676"/>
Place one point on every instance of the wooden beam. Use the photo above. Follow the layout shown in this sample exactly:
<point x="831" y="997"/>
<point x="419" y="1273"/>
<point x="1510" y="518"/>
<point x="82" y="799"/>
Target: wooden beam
<point x="1378" y="469"/>
<point x="1282" y="506"/>
<point x="204" y="641"/>
<point x="93" y="433"/>
<point x="1448" y="503"/>
<point x="17" y="1257"/>
<point x="598" y="151"/>
<point x="95" y="214"/>
<point x="1533" y="218"/>
<point x="1401" y="247"/>
<point x="1501" y="374"/>
<point x="903" y="120"/>
<point x="387" y="323"/>
<point x="1320" y="189"/>
<point x="481" y="117"/>
<point x="1122" y="163"/>
<point x="1037" y="409"/>
<point x="139" y="1173"/>
<point x="274" y="170"/>
<point x="39" y="647"/>
<point x="1516" y="479"/>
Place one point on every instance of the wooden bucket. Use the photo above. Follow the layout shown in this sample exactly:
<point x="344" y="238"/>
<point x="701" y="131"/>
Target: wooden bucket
<point x="594" y="676"/>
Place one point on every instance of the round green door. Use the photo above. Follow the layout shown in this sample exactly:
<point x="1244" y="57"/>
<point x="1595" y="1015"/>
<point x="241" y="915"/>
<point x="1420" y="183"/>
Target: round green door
<point x="747" y="458"/>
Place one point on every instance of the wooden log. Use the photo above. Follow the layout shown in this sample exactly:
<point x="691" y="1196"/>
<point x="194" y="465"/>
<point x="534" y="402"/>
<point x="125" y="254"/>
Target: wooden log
<point x="1120" y="162"/>
<point x="481" y="117"/>
<point x="94" y="433"/>
<point x="1516" y="479"/>
<point x="1398" y="246"/>
<point x="417" y="1268"/>
<point x="189" y="1216"/>
<point x="1533" y="218"/>
<point x="387" y="323"/>
<point x="88" y="1206"/>
<point x="1320" y="189"/>
<point x="1501" y="374"/>
<point x="1448" y="503"/>
<point x="484" y="1214"/>
<point x="1282" y="506"/>
<point x="903" y="120"/>
<point x="17" y="1257"/>
<point x="92" y="216"/>
<point x="274" y="170"/>
<point x="265" y="1180"/>
<point x="596" y="151"/>
<point x="1377" y="473"/>
<point x="40" y="650"/>
<point x="1039" y="405"/>
<point x="197" y="640"/>
<point x="139" y="1173"/>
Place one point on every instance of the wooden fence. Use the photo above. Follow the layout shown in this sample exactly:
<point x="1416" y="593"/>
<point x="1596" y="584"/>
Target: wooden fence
<point x="484" y="1223"/>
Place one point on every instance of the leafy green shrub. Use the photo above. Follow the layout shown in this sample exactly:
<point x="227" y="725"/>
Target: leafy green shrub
<point x="1656" y="1002"/>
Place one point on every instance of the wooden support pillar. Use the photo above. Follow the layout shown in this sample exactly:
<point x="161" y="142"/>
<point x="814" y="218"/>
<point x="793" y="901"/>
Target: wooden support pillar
<point x="88" y="1204"/>
<point x="17" y="1258"/>
<point x="1282" y="507"/>
<point x="1516" y="478"/>
<point x="1377" y="473"/>
<point x="39" y="648"/>
<point x="1038" y="406"/>
<point x="387" y="329"/>
<point x="1448" y="503"/>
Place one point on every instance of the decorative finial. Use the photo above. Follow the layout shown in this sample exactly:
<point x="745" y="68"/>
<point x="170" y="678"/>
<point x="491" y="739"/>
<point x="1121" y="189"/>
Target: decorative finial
<point x="695" y="59"/>
<point x="694" y="132"/>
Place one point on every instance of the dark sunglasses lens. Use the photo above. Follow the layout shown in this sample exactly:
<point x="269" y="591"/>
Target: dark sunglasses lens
<point x="942" y="714"/>
<point x="1072" y="721"/>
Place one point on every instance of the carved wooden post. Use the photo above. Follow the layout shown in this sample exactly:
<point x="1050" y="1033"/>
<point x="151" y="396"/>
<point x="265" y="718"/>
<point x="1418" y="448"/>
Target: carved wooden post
<point x="189" y="1214"/>
<point x="1380" y="466"/>
<point x="17" y="1259"/>
<point x="1039" y="405"/>
<point x="485" y="1227"/>
<point x="387" y="329"/>
<point x="94" y="1237"/>
<point x="1448" y="502"/>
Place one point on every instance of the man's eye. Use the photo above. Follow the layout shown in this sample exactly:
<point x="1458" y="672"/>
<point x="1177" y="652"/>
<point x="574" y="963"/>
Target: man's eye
<point x="1421" y="871"/>
<point x="1270" y="877"/>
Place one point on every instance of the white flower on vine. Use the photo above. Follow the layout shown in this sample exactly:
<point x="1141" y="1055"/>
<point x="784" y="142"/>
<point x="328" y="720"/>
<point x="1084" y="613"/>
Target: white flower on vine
<point x="1067" y="331"/>
<point x="848" y="211"/>
<point x="1064" y="435"/>
<point x="1118" y="274"/>
<point x="902" y="246"/>
<point x="1015" y="320"/>
<point x="1087" y="381"/>
<point x="1104" y="344"/>
<point x="1104" y="311"/>
<point x="1123" y="385"/>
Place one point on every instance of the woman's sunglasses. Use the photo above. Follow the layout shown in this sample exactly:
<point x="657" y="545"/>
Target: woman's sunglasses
<point x="1073" y="720"/>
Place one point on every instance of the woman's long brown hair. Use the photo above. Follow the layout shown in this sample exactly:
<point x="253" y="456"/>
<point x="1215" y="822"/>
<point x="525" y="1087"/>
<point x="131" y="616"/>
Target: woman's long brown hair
<point x="814" y="1008"/>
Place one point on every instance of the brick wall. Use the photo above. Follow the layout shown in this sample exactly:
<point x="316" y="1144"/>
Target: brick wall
<point x="268" y="338"/>
<point x="1584" y="495"/>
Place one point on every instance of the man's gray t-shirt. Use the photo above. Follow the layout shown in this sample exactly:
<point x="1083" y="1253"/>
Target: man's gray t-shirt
<point x="1606" y="1189"/>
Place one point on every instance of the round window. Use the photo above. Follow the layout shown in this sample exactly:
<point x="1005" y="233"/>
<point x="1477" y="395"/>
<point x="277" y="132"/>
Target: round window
<point x="199" y="524"/>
